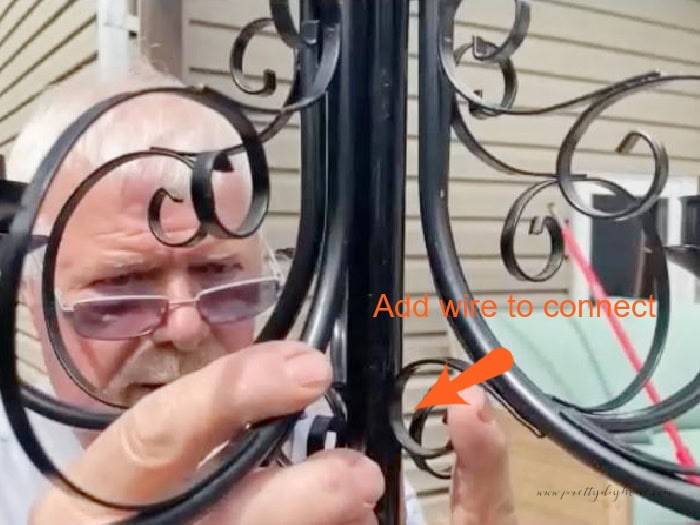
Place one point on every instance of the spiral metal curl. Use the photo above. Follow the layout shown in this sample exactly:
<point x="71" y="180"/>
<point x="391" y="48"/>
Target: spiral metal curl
<point x="323" y="33"/>
<point x="537" y="226"/>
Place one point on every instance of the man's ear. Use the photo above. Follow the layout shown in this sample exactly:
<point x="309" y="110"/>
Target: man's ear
<point x="30" y="282"/>
<point x="25" y="297"/>
<point x="29" y="297"/>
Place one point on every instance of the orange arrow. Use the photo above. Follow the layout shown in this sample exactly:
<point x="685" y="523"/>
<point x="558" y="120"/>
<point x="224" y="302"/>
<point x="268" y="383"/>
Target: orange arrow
<point x="445" y="392"/>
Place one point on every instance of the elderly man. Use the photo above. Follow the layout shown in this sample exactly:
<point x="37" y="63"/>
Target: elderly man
<point x="168" y="332"/>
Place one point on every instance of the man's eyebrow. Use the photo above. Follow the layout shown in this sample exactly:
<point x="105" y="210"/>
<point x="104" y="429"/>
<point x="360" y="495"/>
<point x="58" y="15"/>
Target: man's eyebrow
<point x="115" y="263"/>
<point x="105" y="267"/>
<point x="223" y="256"/>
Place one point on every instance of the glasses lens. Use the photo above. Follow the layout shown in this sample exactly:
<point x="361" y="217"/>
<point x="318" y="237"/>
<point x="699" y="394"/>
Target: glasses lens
<point x="239" y="301"/>
<point x="117" y="318"/>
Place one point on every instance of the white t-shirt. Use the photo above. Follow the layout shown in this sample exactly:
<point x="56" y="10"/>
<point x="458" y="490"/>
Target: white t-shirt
<point x="21" y="483"/>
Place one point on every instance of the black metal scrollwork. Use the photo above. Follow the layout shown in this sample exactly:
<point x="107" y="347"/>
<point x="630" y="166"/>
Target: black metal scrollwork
<point x="593" y="434"/>
<point x="537" y="226"/>
<point x="329" y="42"/>
<point x="329" y="200"/>
<point x="258" y="443"/>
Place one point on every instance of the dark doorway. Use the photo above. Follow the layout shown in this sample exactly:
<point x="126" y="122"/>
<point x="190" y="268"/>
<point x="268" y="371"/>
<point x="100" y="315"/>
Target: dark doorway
<point x="618" y="252"/>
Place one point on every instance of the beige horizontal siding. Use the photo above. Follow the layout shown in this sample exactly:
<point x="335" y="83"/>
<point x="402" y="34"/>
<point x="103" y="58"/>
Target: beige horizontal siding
<point x="560" y="59"/>
<point x="42" y="46"/>
<point x="486" y="276"/>
<point x="473" y="238"/>
<point x="31" y="363"/>
<point x="467" y="199"/>
<point x="678" y="137"/>
<point x="41" y="43"/>
<point x="618" y="33"/>
<point x="681" y="15"/>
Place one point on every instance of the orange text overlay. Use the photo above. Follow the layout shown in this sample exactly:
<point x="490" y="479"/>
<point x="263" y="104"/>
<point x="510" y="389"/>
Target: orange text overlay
<point x="467" y="307"/>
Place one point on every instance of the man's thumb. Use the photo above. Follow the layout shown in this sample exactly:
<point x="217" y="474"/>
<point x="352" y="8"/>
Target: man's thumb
<point x="481" y="492"/>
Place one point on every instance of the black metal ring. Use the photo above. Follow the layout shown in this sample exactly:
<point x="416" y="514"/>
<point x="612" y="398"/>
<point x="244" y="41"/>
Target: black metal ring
<point x="514" y="388"/>
<point x="666" y="409"/>
<point x="258" y="442"/>
<point x="49" y="304"/>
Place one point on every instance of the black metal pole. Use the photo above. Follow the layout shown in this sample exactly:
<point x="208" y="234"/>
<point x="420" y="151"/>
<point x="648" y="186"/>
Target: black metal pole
<point x="313" y="138"/>
<point x="372" y="111"/>
<point x="434" y="102"/>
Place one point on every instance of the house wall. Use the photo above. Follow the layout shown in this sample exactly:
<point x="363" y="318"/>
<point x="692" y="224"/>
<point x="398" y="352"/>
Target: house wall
<point x="573" y="47"/>
<point x="41" y="43"/>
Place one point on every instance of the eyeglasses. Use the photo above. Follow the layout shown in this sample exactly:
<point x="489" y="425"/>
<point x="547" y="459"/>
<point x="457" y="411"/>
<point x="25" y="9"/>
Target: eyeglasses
<point x="125" y="316"/>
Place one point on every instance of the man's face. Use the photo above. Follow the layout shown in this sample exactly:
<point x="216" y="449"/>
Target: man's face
<point x="108" y="250"/>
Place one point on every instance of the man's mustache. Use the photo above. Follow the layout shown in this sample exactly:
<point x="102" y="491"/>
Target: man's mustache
<point x="154" y="366"/>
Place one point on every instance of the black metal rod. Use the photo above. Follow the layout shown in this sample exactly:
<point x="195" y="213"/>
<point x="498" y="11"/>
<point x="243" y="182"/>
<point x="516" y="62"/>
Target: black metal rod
<point x="348" y="155"/>
<point x="374" y="71"/>
<point x="435" y="101"/>
<point x="313" y="191"/>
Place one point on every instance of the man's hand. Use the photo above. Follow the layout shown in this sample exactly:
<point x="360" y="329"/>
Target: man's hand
<point x="148" y="452"/>
<point x="481" y="492"/>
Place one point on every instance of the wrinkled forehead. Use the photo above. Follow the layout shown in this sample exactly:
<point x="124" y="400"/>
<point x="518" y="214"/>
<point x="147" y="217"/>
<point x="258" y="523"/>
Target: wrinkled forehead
<point x="124" y="198"/>
<point x="109" y="228"/>
<point x="165" y="121"/>
<point x="114" y="214"/>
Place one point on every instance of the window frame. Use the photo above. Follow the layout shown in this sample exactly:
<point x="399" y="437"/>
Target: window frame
<point x="682" y="282"/>
<point x="112" y="37"/>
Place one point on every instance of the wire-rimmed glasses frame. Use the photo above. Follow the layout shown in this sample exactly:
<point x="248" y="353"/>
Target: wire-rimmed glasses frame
<point x="120" y="317"/>
<point x="235" y="306"/>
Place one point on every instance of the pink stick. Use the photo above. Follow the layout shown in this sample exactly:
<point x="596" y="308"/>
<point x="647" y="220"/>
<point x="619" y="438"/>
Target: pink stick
<point x="683" y="455"/>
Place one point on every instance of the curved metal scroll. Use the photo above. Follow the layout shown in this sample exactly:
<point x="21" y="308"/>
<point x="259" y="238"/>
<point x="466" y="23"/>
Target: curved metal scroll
<point x="592" y="434"/>
<point x="259" y="442"/>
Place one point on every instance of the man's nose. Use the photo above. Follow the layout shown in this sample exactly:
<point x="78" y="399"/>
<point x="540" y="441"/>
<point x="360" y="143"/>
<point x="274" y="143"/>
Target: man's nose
<point x="184" y="327"/>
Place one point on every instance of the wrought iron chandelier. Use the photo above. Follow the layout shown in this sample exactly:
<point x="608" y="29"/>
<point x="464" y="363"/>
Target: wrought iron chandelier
<point x="350" y="88"/>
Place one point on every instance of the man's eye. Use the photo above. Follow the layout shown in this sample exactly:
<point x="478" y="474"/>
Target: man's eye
<point x="122" y="279"/>
<point x="218" y="269"/>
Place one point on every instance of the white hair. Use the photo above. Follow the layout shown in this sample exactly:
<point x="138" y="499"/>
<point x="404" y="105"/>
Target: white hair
<point x="168" y="121"/>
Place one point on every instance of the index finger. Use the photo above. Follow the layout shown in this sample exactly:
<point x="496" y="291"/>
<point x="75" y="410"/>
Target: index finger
<point x="154" y="447"/>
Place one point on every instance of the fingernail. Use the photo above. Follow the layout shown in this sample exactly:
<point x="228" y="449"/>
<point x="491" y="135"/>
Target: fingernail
<point x="476" y="397"/>
<point x="369" y="479"/>
<point x="486" y="411"/>
<point x="309" y="369"/>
